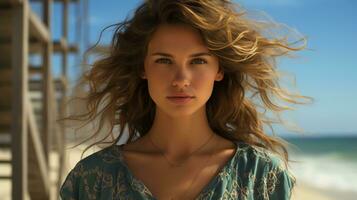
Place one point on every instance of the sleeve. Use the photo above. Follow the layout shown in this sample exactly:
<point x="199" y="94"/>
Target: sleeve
<point x="70" y="187"/>
<point x="83" y="182"/>
<point x="282" y="184"/>
<point x="276" y="182"/>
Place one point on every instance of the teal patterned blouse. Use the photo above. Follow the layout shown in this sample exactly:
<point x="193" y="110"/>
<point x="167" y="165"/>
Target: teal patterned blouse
<point x="252" y="173"/>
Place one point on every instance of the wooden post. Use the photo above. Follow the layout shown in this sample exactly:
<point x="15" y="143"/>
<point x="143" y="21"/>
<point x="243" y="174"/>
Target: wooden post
<point x="47" y="83"/>
<point x="65" y="36"/>
<point x="62" y="109"/>
<point x="20" y="37"/>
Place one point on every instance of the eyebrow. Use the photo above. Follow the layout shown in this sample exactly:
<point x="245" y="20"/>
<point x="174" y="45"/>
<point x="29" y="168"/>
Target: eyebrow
<point x="192" y="55"/>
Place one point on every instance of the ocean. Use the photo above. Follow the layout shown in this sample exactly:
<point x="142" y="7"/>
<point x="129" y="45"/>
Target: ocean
<point x="327" y="163"/>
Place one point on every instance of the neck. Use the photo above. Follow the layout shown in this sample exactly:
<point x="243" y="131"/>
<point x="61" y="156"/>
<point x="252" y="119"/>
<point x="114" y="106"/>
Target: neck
<point x="179" y="136"/>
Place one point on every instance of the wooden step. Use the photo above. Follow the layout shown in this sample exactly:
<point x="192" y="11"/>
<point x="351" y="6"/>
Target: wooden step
<point x="5" y="138"/>
<point x="34" y="84"/>
<point x="6" y="95"/>
<point x="5" y="128"/>
<point x="5" y="75"/>
<point x="5" y="58"/>
<point x="5" y="177"/>
<point x="5" y="116"/>
<point x="35" y="70"/>
<point x="36" y="47"/>
<point x="6" y="72"/>
<point x="5" y="87"/>
<point x="5" y="145"/>
<point x="2" y="162"/>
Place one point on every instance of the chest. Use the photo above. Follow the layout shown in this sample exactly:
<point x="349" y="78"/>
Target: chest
<point x="184" y="182"/>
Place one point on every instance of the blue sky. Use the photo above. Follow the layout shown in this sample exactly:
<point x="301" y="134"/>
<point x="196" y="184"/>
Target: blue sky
<point x="327" y="71"/>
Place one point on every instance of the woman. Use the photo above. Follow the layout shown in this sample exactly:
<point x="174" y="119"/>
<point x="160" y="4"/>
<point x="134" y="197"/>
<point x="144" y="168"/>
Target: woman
<point x="187" y="78"/>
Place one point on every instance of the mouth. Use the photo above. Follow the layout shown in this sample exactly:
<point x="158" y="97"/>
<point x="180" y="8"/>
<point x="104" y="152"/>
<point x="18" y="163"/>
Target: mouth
<point x="180" y="99"/>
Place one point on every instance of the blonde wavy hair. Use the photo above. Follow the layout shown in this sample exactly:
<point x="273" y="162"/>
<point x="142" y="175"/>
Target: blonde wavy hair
<point x="239" y="105"/>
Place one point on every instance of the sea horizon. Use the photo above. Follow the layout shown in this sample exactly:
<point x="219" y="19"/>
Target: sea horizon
<point x="325" y="162"/>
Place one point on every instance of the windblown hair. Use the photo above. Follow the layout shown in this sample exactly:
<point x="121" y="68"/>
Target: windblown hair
<point x="239" y="105"/>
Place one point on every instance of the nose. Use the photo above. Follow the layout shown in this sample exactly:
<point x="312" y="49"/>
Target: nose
<point x="181" y="79"/>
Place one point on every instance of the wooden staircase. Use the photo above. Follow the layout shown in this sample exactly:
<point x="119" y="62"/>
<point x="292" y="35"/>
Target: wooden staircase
<point x="30" y="101"/>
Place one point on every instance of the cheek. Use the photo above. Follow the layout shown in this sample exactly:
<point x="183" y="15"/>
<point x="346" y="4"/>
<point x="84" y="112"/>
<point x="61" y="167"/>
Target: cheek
<point x="204" y="82"/>
<point x="156" y="85"/>
<point x="204" y="77"/>
<point x="154" y="72"/>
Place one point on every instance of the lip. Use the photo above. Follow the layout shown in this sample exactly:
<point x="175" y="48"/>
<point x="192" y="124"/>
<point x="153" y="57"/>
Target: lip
<point x="180" y="99"/>
<point x="180" y="95"/>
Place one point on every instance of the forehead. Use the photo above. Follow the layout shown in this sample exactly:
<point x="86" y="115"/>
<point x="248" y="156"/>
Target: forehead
<point x="176" y="37"/>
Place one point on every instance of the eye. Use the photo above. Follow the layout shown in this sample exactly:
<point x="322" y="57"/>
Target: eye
<point x="199" y="61"/>
<point x="163" y="61"/>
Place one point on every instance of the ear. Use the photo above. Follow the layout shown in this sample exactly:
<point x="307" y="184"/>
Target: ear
<point x="219" y="76"/>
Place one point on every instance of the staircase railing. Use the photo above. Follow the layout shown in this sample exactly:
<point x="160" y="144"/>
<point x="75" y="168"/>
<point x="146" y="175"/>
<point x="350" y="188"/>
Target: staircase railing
<point x="29" y="106"/>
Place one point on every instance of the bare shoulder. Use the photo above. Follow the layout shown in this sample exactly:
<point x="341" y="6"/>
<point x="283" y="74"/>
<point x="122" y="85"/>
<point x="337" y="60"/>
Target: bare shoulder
<point x="137" y="146"/>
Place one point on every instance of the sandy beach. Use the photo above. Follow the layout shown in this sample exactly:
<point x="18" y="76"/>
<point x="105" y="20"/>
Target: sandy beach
<point x="302" y="192"/>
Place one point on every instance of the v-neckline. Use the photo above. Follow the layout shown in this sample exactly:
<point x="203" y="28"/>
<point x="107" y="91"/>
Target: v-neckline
<point x="149" y="194"/>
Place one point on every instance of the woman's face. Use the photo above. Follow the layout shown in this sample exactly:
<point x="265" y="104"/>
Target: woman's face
<point x="179" y="64"/>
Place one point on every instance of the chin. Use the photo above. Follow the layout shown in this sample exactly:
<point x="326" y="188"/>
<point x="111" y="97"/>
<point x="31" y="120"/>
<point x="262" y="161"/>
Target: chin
<point x="180" y="114"/>
<point x="181" y="111"/>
